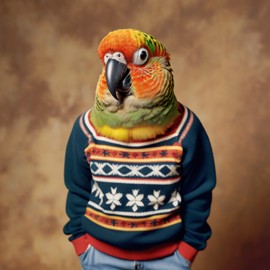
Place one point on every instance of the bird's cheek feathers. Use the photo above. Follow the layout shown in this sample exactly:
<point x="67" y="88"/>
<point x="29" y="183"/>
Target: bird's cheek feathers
<point x="146" y="81"/>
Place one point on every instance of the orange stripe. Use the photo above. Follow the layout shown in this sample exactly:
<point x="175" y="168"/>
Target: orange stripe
<point x="159" y="148"/>
<point x="133" y="224"/>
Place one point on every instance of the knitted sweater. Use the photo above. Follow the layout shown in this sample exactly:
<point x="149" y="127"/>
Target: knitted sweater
<point x="140" y="200"/>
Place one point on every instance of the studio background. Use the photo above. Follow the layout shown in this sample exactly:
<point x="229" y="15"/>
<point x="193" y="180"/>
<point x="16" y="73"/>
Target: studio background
<point x="49" y="68"/>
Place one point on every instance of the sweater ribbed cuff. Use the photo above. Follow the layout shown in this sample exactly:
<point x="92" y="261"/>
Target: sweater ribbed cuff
<point x="80" y="244"/>
<point x="187" y="251"/>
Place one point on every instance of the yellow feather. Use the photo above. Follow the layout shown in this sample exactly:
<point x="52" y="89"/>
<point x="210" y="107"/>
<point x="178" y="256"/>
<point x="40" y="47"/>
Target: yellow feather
<point x="131" y="134"/>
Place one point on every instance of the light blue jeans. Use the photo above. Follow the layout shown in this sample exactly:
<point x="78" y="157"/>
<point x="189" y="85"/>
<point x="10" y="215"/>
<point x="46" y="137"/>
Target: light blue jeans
<point x="93" y="259"/>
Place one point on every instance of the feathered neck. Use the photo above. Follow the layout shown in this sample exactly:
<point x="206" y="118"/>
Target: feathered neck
<point x="132" y="134"/>
<point x="135" y="126"/>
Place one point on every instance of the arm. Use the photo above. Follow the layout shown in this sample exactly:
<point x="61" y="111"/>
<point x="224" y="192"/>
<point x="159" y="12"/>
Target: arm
<point x="77" y="180"/>
<point x="198" y="181"/>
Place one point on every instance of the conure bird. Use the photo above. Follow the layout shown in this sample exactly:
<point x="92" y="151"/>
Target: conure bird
<point x="140" y="173"/>
<point x="135" y="93"/>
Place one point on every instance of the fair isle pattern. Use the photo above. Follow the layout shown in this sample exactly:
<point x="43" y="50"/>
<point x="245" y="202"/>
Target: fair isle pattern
<point x="124" y="170"/>
<point x="145" y="171"/>
<point x="135" y="185"/>
<point x="144" y="165"/>
<point x="169" y="153"/>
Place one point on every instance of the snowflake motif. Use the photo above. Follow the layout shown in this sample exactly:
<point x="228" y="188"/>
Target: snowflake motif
<point x="156" y="200"/>
<point x="175" y="198"/>
<point x="114" y="198"/>
<point x="135" y="199"/>
<point x="98" y="191"/>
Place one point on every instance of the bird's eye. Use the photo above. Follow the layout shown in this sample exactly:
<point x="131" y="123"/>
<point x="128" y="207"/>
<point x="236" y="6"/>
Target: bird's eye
<point x="107" y="56"/>
<point x="140" y="57"/>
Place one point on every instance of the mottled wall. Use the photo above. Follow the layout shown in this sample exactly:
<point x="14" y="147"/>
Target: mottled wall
<point x="48" y="72"/>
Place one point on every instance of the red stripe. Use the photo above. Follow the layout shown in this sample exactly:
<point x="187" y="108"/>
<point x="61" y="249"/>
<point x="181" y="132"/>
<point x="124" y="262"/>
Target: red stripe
<point x="157" y="180"/>
<point x="134" y="255"/>
<point x="187" y="251"/>
<point x="187" y="128"/>
<point x="80" y="244"/>
<point x="84" y="130"/>
<point x="162" y="152"/>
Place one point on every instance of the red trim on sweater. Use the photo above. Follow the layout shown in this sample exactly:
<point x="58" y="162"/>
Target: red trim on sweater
<point x="187" y="251"/>
<point x="80" y="244"/>
<point x="134" y="255"/>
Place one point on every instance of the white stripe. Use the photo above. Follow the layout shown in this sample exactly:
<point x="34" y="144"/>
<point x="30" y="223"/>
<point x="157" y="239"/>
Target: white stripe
<point x="132" y="214"/>
<point x="136" y="181"/>
<point x="135" y="170"/>
<point x="133" y="144"/>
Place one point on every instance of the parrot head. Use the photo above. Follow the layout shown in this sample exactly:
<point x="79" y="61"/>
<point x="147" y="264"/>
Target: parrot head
<point x="135" y="93"/>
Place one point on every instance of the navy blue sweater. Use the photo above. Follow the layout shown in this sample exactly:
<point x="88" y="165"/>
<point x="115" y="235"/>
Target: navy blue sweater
<point x="140" y="200"/>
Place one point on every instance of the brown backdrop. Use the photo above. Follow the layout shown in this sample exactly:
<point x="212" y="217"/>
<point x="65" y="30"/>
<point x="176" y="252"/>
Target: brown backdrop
<point x="48" y="72"/>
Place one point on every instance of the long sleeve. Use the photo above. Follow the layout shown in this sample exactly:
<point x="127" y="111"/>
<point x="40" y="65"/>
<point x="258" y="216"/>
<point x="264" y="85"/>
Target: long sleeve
<point x="198" y="181"/>
<point x="77" y="180"/>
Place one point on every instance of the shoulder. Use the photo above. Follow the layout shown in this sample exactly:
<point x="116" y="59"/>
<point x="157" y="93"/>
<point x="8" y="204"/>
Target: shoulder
<point x="191" y="124"/>
<point x="194" y="138"/>
<point x="80" y="130"/>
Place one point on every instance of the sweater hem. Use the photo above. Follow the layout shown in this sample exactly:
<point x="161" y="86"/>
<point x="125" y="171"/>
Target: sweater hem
<point x="188" y="252"/>
<point x="80" y="244"/>
<point x="134" y="255"/>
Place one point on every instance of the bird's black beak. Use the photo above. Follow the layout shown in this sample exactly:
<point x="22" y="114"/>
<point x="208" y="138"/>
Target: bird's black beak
<point x="118" y="79"/>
